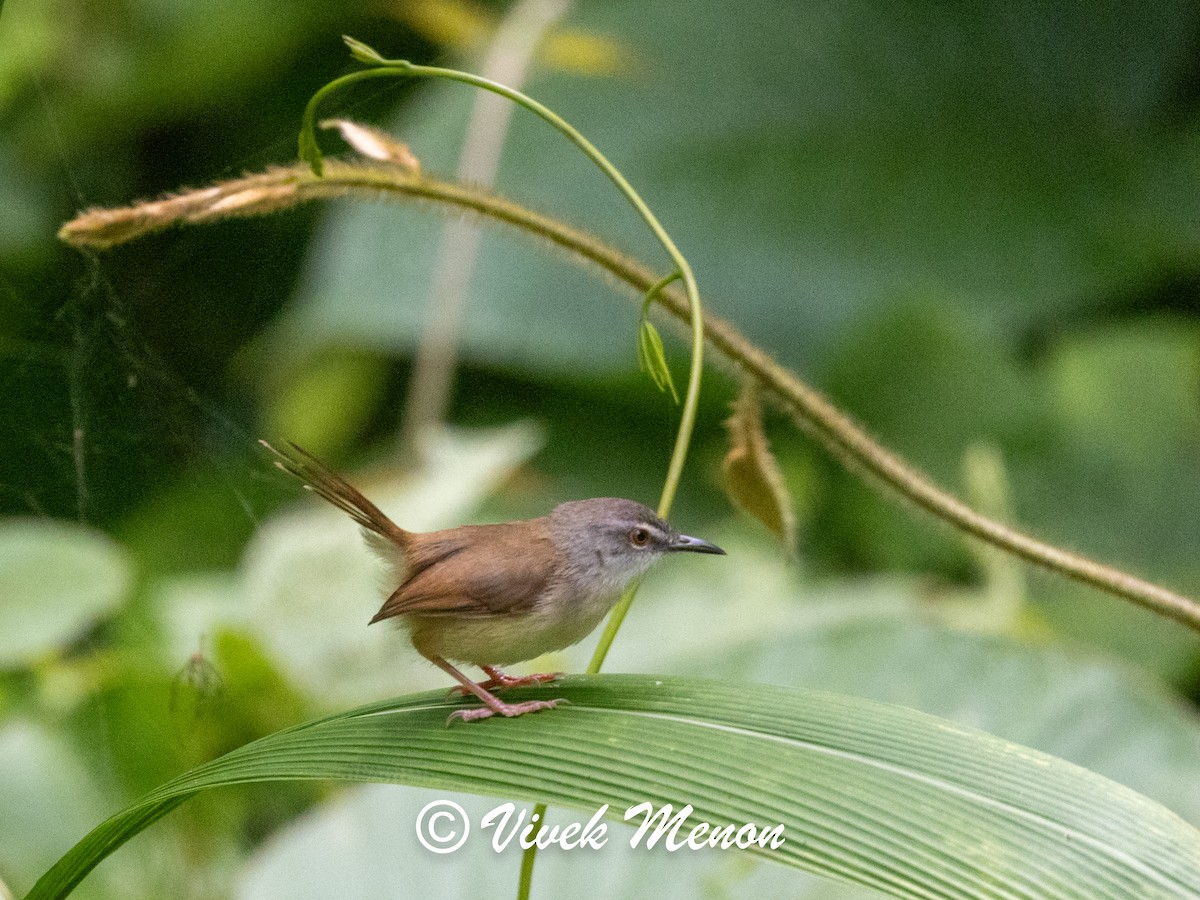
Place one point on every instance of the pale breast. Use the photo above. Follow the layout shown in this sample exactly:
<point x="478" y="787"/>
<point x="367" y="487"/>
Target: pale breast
<point x="554" y="623"/>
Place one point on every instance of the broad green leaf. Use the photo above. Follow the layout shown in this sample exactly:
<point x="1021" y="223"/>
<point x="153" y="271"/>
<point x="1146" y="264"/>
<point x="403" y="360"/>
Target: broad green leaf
<point x="56" y="579"/>
<point x="870" y="794"/>
<point x="1067" y="701"/>
<point x="885" y="640"/>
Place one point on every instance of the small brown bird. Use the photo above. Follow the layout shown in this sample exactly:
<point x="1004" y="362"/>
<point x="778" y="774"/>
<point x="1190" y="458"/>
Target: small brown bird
<point x="492" y="595"/>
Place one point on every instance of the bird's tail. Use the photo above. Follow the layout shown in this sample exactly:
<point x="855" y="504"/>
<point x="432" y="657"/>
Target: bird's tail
<point x="321" y="480"/>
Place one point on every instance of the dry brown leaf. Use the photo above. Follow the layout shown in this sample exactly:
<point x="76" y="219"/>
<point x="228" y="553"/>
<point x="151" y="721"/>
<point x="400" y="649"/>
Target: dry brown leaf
<point x="375" y="144"/>
<point x="750" y="472"/>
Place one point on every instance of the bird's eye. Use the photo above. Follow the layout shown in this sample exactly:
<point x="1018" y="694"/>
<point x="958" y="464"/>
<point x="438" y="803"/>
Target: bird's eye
<point x="639" y="537"/>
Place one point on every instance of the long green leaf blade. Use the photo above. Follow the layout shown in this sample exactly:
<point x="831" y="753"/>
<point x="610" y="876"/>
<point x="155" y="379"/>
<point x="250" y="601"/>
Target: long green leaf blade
<point x="867" y="793"/>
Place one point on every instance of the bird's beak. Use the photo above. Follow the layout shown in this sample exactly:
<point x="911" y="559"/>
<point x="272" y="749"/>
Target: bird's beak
<point x="694" y="545"/>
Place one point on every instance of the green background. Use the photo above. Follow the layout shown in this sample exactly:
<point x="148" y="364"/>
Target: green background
<point x="976" y="227"/>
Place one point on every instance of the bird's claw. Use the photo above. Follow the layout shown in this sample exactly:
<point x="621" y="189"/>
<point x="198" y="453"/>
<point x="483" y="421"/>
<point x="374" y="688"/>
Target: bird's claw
<point x="500" y="680"/>
<point x="502" y="708"/>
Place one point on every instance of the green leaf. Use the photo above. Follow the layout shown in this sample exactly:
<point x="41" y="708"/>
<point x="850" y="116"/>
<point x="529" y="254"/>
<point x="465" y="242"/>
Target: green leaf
<point x="875" y="795"/>
<point x="309" y="149"/>
<point x="877" y="639"/>
<point x="1066" y="701"/>
<point x="364" y="53"/>
<point x="653" y="358"/>
<point x="55" y="580"/>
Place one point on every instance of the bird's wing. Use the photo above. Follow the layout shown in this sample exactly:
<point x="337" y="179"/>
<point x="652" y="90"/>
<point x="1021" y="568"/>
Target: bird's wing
<point x="487" y="570"/>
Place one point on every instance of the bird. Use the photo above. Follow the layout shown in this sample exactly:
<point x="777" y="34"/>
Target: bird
<point x="494" y="595"/>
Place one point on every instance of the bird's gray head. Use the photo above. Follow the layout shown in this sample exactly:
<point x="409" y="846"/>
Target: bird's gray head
<point x="616" y="540"/>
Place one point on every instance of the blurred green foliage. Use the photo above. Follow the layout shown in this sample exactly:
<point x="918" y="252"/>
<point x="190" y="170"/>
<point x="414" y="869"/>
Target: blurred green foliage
<point x="970" y="225"/>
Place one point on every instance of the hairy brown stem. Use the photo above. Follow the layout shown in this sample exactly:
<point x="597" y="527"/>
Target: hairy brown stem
<point x="280" y="188"/>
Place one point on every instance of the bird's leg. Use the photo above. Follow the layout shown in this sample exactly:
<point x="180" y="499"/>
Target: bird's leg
<point x="499" y="679"/>
<point x="491" y="703"/>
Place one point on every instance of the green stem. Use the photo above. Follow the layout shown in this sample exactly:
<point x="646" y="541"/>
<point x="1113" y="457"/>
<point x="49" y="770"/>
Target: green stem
<point x="656" y="289"/>
<point x="311" y="151"/>
<point x="525" y="883"/>
<point x="403" y="68"/>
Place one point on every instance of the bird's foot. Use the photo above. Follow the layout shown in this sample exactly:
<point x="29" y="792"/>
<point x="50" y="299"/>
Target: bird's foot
<point x="502" y="679"/>
<point x="498" y="679"/>
<point x="502" y="708"/>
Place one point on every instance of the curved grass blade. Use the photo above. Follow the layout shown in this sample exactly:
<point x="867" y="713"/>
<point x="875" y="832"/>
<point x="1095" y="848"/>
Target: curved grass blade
<point x="867" y="793"/>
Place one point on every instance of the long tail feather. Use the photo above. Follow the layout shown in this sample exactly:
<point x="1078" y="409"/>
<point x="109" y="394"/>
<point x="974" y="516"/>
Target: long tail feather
<point x="321" y="480"/>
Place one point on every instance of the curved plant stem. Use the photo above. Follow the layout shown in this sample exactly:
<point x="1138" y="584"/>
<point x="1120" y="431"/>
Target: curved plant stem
<point x="404" y="68"/>
<point x="309" y="150"/>
<point x="282" y="188"/>
<point x="837" y="432"/>
<point x="657" y="288"/>
<point x="682" y="272"/>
